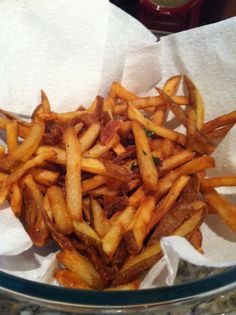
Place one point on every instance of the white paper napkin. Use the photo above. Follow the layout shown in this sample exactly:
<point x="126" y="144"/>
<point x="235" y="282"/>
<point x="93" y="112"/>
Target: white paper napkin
<point x="50" y="57"/>
<point x="71" y="49"/>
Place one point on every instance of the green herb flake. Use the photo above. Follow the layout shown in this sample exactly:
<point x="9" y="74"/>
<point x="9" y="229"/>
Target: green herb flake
<point x="145" y="153"/>
<point x="156" y="160"/>
<point x="149" y="133"/>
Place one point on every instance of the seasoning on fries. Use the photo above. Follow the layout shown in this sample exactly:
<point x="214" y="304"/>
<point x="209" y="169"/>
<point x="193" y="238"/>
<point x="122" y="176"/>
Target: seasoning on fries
<point x="108" y="182"/>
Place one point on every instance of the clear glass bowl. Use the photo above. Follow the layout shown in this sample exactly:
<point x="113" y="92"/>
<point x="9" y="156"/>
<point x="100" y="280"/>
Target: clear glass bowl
<point x="179" y="299"/>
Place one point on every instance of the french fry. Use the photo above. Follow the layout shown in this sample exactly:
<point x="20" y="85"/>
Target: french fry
<point x="16" y="199"/>
<point x="196" y="101"/>
<point x="117" y="90"/>
<point x="128" y="286"/>
<point x="98" y="149"/>
<point x="70" y="280"/>
<point x="43" y="176"/>
<point x="168" y="201"/>
<point x="220" y="121"/>
<point x="174" y="136"/>
<point x="12" y="135"/>
<point x="92" y="183"/>
<point x="45" y="103"/>
<point x="2" y="151"/>
<point x="100" y="222"/>
<point x="113" y="237"/>
<point x="221" y="206"/>
<point x="22" y="169"/>
<point x="84" y="232"/>
<point x="151" y="254"/>
<point x="147" y="166"/>
<point x="229" y="180"/>
<point x="89" y="136"/>
<point x="137" y="230"/>
<point x="176" y="160"/>
<point x="73" y="174"/>
<point x="81" y="267"/>
<point x="58" y="207"/>
<point x="62" y="118"/>
<point x="25" y="150"/>
<point x="37" y="229"/>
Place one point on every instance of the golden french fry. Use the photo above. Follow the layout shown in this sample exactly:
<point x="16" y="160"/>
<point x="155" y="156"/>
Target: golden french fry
<point x="220" y="121"/>
<point x="73" y="174"/>
<point x="25" y="150"/>
<point x="37" y="229"/>
<point x="12" y="135"/>
<point x="147" y="166"/>
<point x="23" y="168"/>
<point x="98" y="149"/>
<point x="100" y="222"/>
<point x="174" y="136"/>
<point x="128" y="286"/>
<point x="86" y="233"/>
<point x="151" y="254"/>
<point x="172" y="84"/>
<point x="113" y="237"/>
<point x="70" y="280"/>
<point x="176" y="160"/>
<point x="16" y="199"/>
<point x="169" y="200"/>
<point x="79" y="265"/>
<point x="43" y="176"/>
<point x="196" y="101"/>
<point x="138" y="228"/>
<point x="229" y="180"/>
<point x="220" y="205"/>
<point x="45" y="103"/>
<point x="117" y="90"/>
<point x="58" y="207"/>
<point x="89" y="136"/>
<point x="92" y="183"/>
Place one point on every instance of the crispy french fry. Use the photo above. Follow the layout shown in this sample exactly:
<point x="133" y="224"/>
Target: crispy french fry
<point x="25" y="150"/>
<point x="138" y="228"/>
<point x="37" y="229"/>
<point x="89" y="136"/>
<point x="196" y="101"/>
<point x="220" y="121"/>
<point x="151" y="254"/>
<point x="113" y="237"/>
<point x="16" y="199"/>
<point x="12" y="135"/>
<point x="225" y="210"/>
<point x="172" y="84"/>
<point x="58" y="207"/>
<point x="176" y="160"/>
<point x="62" y="118"/>
<point x="81" y="267"/>
<point x="70" y="280"/>
<point x="117" y="90"/>
<point x="22" y="169"/>
<point x="73" y="174"/>
<point x="168" y="201"/>
<point x="2" y="151"/>
<point x="128" y="286"/>
<point x="43" y="176"/>
<point x="100" y="222"/>
<point x="174" y="136"/>
<point x="229" y="180"/>
<point x="98" y="149"/>
<point x="147" y="166"/>
<point x="45" y="103"/>
<point x="86" y="233"/>
<point x="92" y="183"/>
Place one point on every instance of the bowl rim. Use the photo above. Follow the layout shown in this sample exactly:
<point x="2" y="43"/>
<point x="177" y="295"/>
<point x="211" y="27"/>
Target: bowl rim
<point x="46" y="293"/>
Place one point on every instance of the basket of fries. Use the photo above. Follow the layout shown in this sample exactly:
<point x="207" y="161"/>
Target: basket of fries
<point x="103" y="201"/>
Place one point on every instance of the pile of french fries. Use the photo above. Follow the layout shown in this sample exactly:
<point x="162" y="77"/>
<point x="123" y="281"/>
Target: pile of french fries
<point x="107" y="182"/>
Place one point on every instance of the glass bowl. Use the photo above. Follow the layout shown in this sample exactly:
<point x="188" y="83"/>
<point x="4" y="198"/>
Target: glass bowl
<point x="179" y="299"/>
